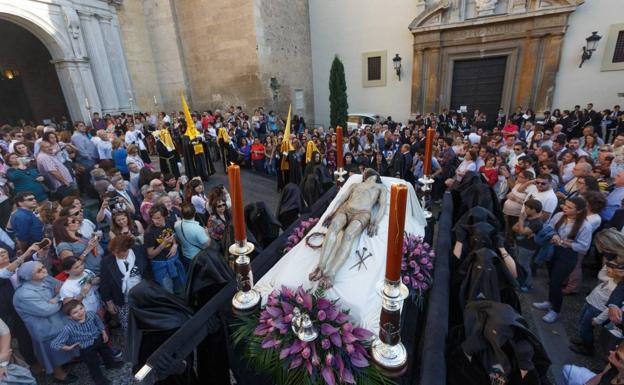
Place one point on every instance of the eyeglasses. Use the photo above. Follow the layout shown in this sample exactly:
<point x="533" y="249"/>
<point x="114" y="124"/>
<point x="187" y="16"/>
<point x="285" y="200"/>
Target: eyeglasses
<point x="541" y="183"/>
<point x="73" y="222"/>
<point x="604" y="150"/>
<point x="221" y="205"/>
<point x="614" y="265"/>
<point x="517" y="149"/>
<point x="29" y="199"/>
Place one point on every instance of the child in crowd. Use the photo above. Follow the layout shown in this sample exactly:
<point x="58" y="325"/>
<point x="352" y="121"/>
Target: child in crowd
<point x="81" y="285"/>
<point x="530" y="222"/>
<point x="595" y="311"/>
<point x="85" y="331"/>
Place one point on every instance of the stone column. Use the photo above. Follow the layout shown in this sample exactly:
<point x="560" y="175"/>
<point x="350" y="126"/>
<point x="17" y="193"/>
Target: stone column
<point x="546" y="83"/>
<point x="98" y="58"/>
<point x="432" y="76"/>
<point x="117" y="60"/>
<point x="417" y="85"/>
<point x="525" y="79"/>
<point x="76" y="79"/>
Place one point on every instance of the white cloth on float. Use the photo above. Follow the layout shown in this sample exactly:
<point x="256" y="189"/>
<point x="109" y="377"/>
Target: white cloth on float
<point x="356" y="289"/>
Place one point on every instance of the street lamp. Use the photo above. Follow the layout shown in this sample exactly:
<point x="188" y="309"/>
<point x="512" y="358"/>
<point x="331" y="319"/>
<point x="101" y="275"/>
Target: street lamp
<point x="590" y="47"/>
<point x="397" y="65"/>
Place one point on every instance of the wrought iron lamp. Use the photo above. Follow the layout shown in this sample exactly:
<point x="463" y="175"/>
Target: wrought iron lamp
<point x="397" y="65"/>
<point x="588" y="49"/>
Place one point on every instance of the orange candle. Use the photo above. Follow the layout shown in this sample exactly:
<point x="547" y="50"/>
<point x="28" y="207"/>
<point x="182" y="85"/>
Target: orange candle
<point x="339" y="148"/>
<point x="428" y="151"/>
<point x="236" y="193"/>
<point x="396" y="227"/>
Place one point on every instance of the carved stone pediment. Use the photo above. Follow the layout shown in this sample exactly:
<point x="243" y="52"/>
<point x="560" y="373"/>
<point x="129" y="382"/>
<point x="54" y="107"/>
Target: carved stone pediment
<point x="432" y="15"/>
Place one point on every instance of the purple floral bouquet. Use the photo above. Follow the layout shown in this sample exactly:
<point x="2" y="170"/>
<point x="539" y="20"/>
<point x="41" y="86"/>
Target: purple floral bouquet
<point x="417" y="267"/>
<point x="338" y="354"/>
<point x="299" y="233"/>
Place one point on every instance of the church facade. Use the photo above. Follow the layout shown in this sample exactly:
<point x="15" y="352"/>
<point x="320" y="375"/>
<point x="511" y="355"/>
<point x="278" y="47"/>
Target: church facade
<point x="115" y="55"/>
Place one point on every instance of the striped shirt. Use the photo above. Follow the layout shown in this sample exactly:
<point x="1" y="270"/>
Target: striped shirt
<point x="83" y="333"/>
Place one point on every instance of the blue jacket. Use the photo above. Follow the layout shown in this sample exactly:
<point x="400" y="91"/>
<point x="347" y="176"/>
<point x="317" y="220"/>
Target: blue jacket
<point x="546" y="249"/>
<point x="27" y="227"/>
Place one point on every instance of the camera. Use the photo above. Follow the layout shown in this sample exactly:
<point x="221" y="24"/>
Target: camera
<point x="114" y="202"/>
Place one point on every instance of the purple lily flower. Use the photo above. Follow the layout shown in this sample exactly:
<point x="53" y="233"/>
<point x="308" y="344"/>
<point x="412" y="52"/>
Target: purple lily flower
<point x="347" y="376"/>
<point x="406" y="280"/>
<point x="268" y="342"/>
<point x="332" y="313"/>
<point x="328" y="376"/>
<point x="350" y="348"/>
<point x="288" y="308"/>
<point x="287" y="292"/>
<point x="424" y="261"/>
<point x="430" y="266"/>
<point x="348" y="338"/>
<point x="329" y="359"/>
<point x="297" y="346"/>
<point x="362" y="334"/>
<point x="261" y="330"/>
<point x="420" y="277"/>
<point x="340" y="364"/>
<point x="296" y="362"/>
<point x="335" y="339"/>
<point x="412" y="264"/>
<point x="305" y="353"/>
<point x="342" y="318"/>
<point x="307" y="301"/>
<point x="323" y="303"/>
<point x="358" y="360"/>
<point x="284" y="353"/>
<point x="299" y="299"/>
<point x="274" y="311"/>
<point x="308" y="366"/>
<point x="425" y="286"/>
<point x="327" y="329"/>
<point x="347" y="327"/>
<point x="325" y="344"/>
<point x="321" y="315"/>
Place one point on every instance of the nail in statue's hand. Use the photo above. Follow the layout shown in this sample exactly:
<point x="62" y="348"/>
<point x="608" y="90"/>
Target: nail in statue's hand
<point x="328" y="220"/>
<point x="372" y="229"/>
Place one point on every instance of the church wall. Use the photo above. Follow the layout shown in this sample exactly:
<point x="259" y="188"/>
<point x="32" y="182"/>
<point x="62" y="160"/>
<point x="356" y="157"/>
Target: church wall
<point x="285" y="54"/>
<point x="219" y="46"/>
<point x="576" y="85"/>
<point x="138" y="50"/>
<point x="376" y="26"/>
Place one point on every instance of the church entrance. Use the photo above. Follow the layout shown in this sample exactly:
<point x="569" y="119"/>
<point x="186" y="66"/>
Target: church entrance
<point x="29" y="84"/>
<point x="478" y="84"/>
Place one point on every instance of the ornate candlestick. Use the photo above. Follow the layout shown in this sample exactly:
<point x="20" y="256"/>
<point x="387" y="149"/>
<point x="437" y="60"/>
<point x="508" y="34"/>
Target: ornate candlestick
<point x="339" y="174"/>
<point x="246" y="300"/>
<point x="426" y="182"/>
<point x="388" y="352"/>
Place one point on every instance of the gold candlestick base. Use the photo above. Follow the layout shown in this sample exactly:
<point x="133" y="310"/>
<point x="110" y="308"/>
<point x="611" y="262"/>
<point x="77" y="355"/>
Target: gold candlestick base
<point x="340" y="173"/>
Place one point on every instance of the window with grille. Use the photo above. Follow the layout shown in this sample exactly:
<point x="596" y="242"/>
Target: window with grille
<point x="618" y="53"/>
<point x="374" y="68"/>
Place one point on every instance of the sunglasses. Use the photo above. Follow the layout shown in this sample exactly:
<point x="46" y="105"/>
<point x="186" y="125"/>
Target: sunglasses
<point x="73" y="222"/>
<point x="221" y="205"/>
<point x="29" y="199"/>
<point x="614" y="265"/>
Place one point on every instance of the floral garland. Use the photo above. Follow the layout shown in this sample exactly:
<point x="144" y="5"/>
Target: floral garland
<point x="336" y="353"/>
<point x="299" y="233"/>
<point x="417" y="267"/>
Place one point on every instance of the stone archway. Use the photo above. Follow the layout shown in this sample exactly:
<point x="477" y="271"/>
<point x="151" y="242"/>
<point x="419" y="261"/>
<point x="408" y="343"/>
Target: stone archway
<point x="84" y="41"/>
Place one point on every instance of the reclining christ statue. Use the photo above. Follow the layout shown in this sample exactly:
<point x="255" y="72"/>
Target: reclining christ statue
<point x="352" y="213"/>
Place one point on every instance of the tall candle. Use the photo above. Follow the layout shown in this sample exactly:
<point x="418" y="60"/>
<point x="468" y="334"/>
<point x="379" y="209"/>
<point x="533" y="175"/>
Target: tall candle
<point x="428" y="151"/>
<point x="155" y="101"/>
<point x="236" y="193"/>
<point x="339" y="147"/>
<point x="87" y="106"/>
<point x="396" y="227"/>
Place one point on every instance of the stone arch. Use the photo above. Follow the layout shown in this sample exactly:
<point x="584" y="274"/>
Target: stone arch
<point x="43" y="29"/>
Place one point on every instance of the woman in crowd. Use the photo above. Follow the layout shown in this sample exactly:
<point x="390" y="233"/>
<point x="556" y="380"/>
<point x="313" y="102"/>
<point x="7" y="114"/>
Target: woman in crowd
<point x="119" y="158"/>
<point x="489" y="170"/>
<point x="219" y="219"/>
<point x="551" y="168"/>
<point x="69" y="242"/>
<point x="125" y="267"/>
<point x="195" y="195"/>
<point x="244" y="153"/>
<point x="123" y="224"/>
<point x="269" y="156"/>
<point x="571" y="240"/>
<point x="591" y="145"/>
<point x="37" y="304"/>
<point x="148" y="202"/>
<point x="468" y="164"/>
<point x="23" y="153"/>
<point x="257" y="155"/>
<point x="58" y="147"/>
<point x="353" y="146"/>
<point x="379" y="164"/>
<point x="25" y="177"/>
<point x="568" y="161"/>
<point x="133" y="156"/>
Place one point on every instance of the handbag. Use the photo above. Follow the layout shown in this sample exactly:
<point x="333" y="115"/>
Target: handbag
<point x="17" y="375"/>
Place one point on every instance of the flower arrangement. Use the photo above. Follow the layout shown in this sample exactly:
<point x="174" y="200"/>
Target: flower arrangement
<point x="299" y="233"/>
<point x="329" y="349"/>
<point x="417" y="267"/>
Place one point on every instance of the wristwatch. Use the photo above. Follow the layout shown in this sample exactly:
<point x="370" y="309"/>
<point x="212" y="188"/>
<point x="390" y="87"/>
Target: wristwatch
<point x="4" y="364"/>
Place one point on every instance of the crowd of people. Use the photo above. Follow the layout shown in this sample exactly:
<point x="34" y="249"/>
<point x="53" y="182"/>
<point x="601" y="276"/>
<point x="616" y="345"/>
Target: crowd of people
<point x="66" y="268"/>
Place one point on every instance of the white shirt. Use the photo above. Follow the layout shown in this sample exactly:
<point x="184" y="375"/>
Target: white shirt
<point x="135" y="137"/>
<point x="72" y="286"/>
<point x="104" y="148"/>
<point x="474" y="138"/>
<point x="87" y="228"/>
<point x="567" y="172"/>
<point x="547" y="198"/>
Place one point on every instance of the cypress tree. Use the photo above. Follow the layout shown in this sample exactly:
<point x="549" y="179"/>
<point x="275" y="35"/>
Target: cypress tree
<point x="338" y="105"/>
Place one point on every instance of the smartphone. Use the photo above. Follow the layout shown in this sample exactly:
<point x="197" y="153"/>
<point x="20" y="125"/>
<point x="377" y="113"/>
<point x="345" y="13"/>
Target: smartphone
<point x="45" y="242"/>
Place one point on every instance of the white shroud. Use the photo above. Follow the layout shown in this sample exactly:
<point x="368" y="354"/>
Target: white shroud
<point x="355" y="289"/>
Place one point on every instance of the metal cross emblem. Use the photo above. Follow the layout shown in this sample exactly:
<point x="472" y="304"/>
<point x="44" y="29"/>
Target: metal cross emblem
<point x="362" y="257"/>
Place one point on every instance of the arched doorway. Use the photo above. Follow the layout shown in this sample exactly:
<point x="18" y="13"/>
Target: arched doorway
<point x="29" y="84"/>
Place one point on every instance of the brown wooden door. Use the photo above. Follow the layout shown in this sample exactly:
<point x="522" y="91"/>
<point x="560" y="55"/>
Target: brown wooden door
<point x="478" y="84"/>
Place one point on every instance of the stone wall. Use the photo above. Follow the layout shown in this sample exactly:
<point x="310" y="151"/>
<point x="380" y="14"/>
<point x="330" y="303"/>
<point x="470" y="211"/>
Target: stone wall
<point x="153" y="52"/>
<point x="219" y="46"/>
<point x="285" y="54"/>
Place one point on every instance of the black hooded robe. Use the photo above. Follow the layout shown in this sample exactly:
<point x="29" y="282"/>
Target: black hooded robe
<point x="196" y="164"/>
<point x="168" y="159"/>
<point x="292" y="174"/>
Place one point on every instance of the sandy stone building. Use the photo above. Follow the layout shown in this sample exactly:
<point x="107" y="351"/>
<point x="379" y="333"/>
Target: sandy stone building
<point x="76" y="57"/>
